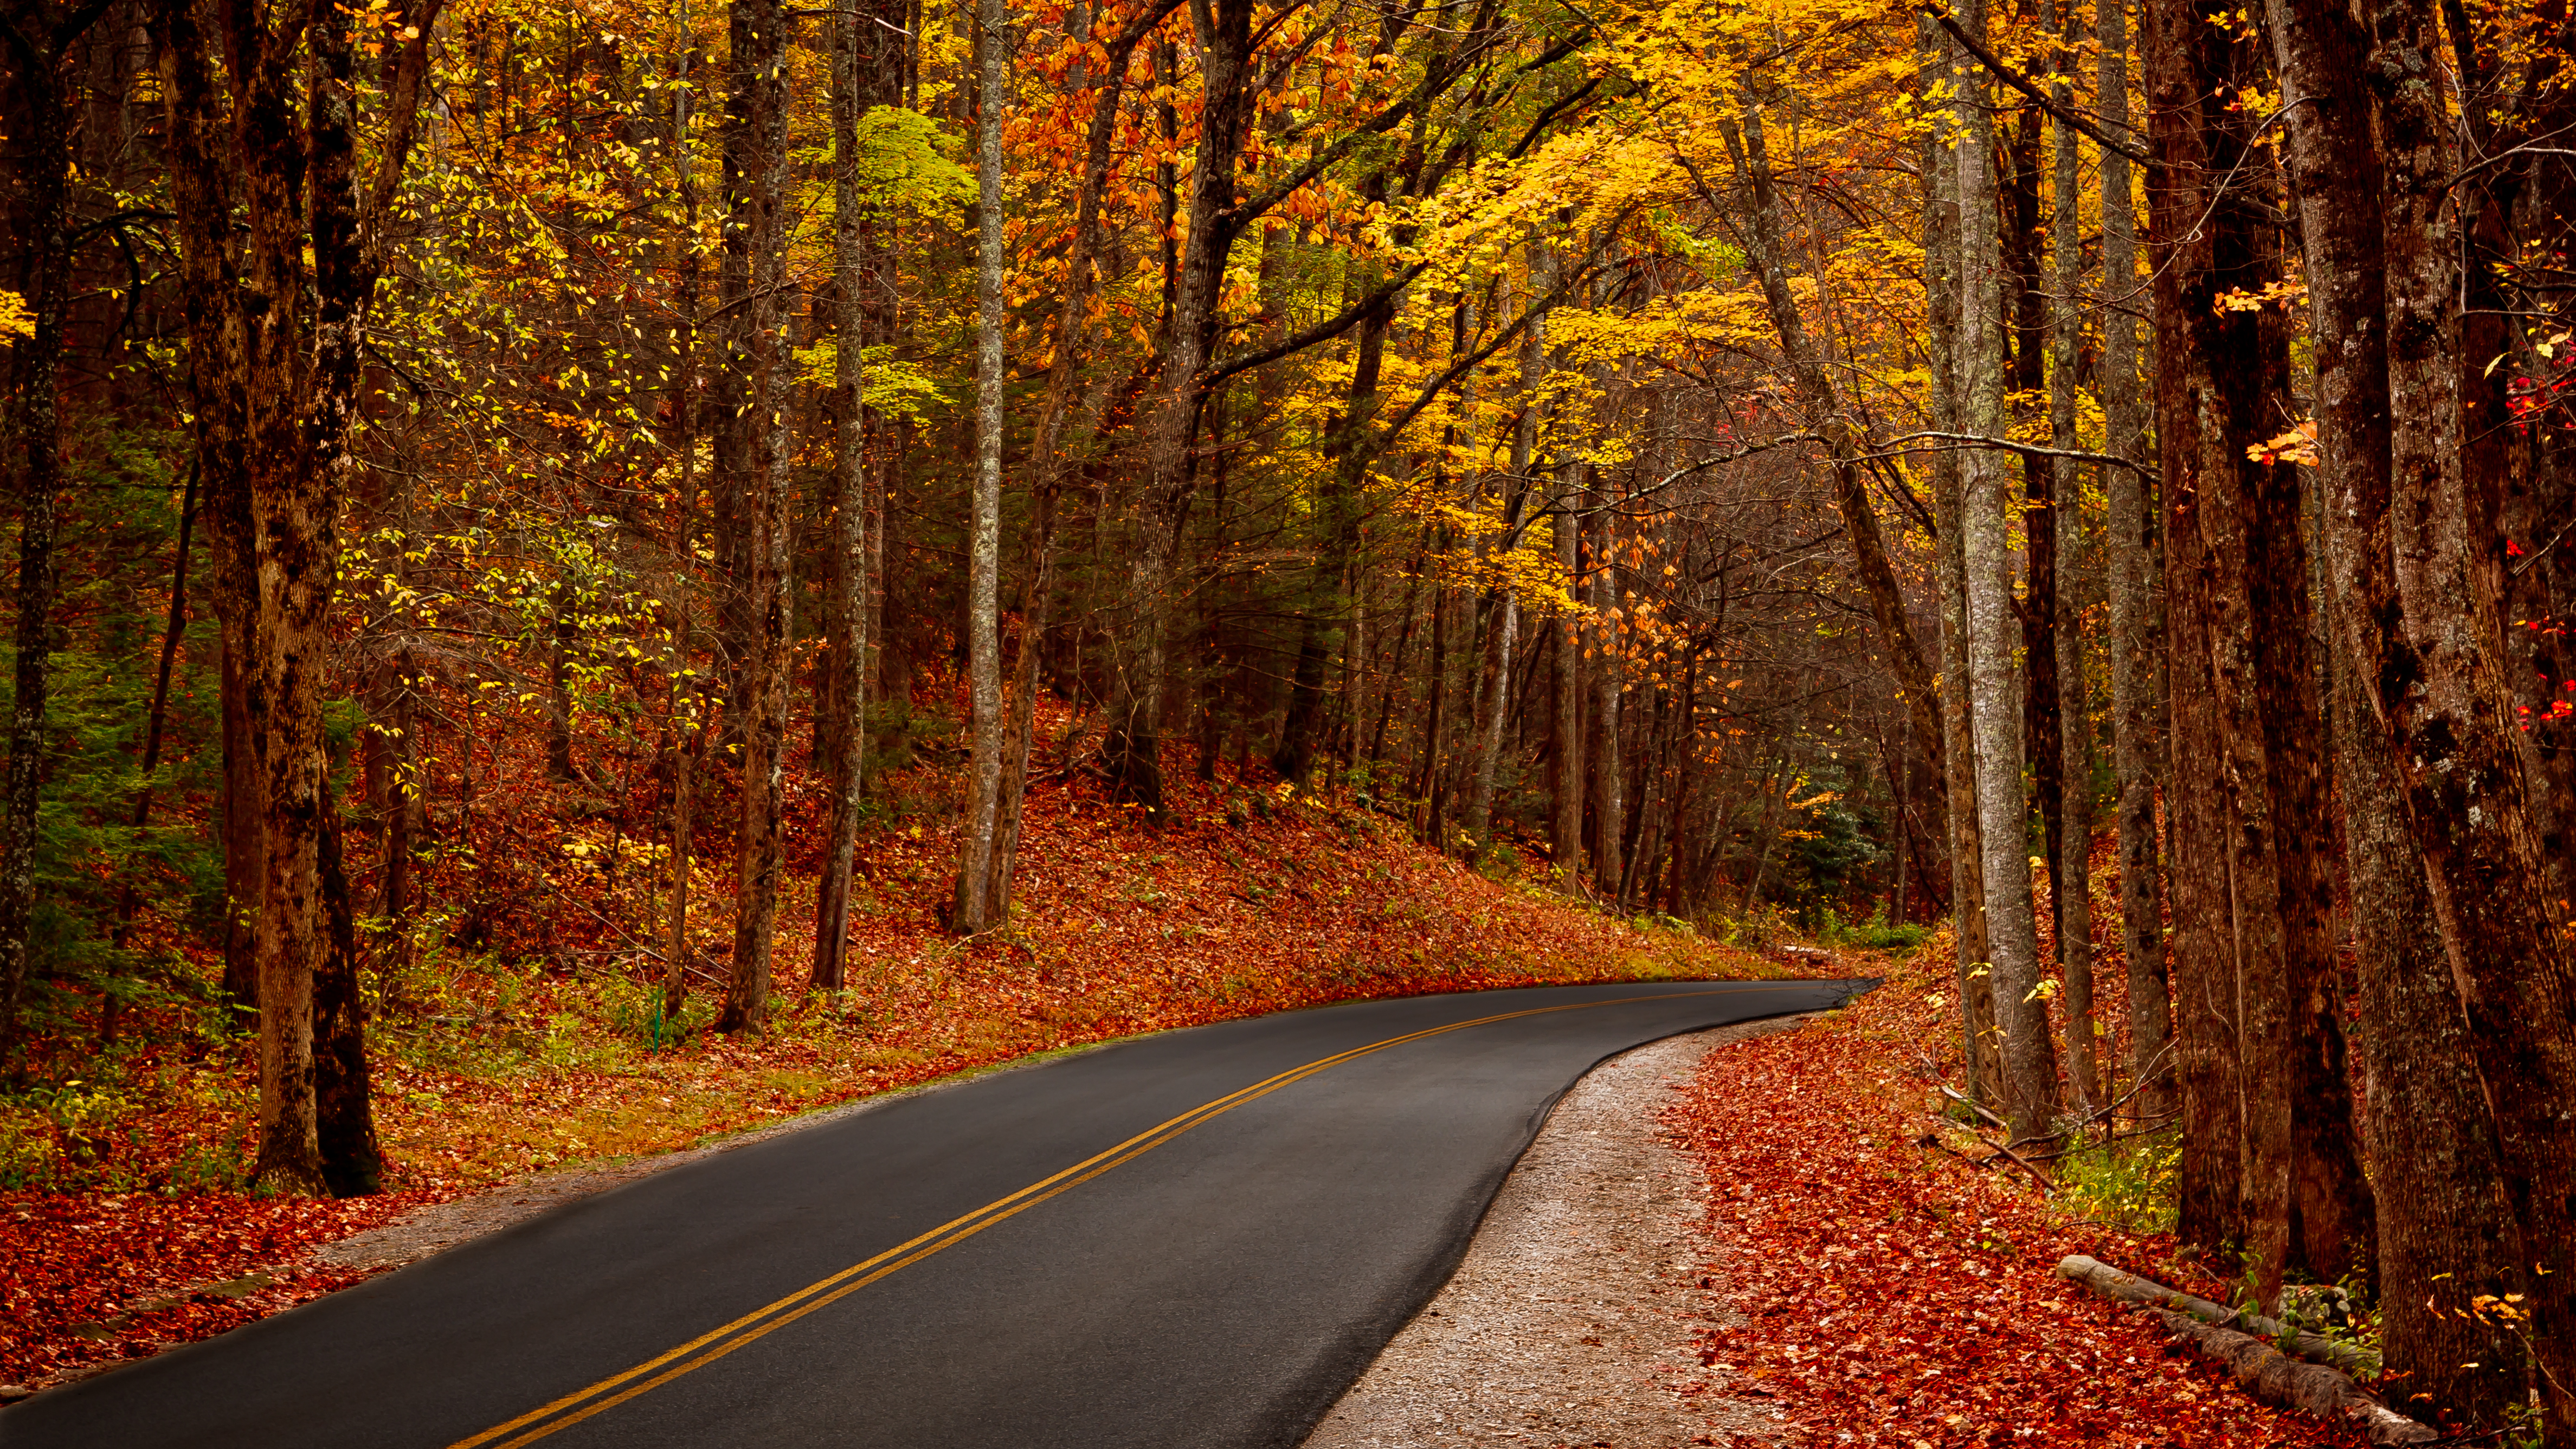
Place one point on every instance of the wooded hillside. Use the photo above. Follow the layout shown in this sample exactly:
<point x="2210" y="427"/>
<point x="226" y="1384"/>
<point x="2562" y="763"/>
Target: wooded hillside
<point x="534" y="481"/>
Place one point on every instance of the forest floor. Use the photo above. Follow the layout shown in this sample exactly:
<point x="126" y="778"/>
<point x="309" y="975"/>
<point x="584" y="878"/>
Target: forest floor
<point x="1888" y="1292"/>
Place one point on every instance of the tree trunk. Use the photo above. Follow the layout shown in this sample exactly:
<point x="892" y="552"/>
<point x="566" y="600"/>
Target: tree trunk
<point x="2201" y="950"/>
<point x="1980" y="1059"/>
<point x="755" y="159"/>
<point x="2427" y="641"/>
<point x="30" y="451"/>
<point x="1131" y="751"/>
<point x="2443" y="1225"/>
<point x="353" y="1162"/>
<point x="683" y="546"/>
<point x="2028" y="310"/>
<point x="1601" y="753"/>
<point x="2130" y="556"/>
<point x="2070" y="871"/>
<point x="984" y="535"/>
<point x="840" y="739"/>
<point x="2029" y="1060"/>
<point x="2243" y="357"/>
<point x="2336" y="1213"/>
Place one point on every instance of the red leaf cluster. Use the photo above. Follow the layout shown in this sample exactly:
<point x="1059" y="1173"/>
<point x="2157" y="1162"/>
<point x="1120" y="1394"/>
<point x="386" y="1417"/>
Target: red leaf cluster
<point x="101" y="1278"/>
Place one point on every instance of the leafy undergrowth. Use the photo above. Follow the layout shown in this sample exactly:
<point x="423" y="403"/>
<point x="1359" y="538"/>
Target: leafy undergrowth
<point x="1246" y="902"/>
<point x="1895" y="1295"/>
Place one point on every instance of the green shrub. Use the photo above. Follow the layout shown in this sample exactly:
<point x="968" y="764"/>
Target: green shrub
<point x="2134" y="1185"/>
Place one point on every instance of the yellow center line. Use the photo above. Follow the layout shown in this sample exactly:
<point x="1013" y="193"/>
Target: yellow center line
<point x="714" y="1344"/>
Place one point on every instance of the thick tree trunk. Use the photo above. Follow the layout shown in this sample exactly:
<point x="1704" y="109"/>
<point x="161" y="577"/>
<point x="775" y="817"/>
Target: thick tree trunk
<point x="2245" y="373"/>
<point x="2027" y="312"/>
<point x="274" y="403"/>
<point x="2427" y="644"/>
<point x="2443" y="1224"/>
<point x="2201" y="949"/>
<point x="2029" y="1062"/>
<point x="2300" y="1159"/>
<point x="2330" y="146"/>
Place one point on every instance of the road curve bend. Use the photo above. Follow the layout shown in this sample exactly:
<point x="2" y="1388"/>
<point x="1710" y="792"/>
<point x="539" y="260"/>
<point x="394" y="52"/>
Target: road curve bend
<point x="1199" y="1238"/>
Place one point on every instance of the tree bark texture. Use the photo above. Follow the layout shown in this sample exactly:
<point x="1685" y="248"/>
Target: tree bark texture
<point x="2443" y="1225"/>
<point x="30" y="451"/>
<point x="2427" y="646"/>
<point x="2129" y="551"/>
<point x="2201" y="950"/>
<point x="1980" y="1057"/>
<point x="276" y="312"/>
<point x="2030" y="1093"/>
<point x="755" y="164"/>
<point x="984" y="531"/>
<point x="2070" y="874"/>
<point x="841" y="735"/>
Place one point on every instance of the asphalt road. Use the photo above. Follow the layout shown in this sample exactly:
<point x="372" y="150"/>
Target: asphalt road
<point x="1194" y="1239"/>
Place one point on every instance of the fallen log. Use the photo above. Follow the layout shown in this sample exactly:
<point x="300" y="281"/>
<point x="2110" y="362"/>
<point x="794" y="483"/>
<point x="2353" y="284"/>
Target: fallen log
<point x="2110" y="1282"/>
<point x="2271" y="1376"/>
<point x="2323" y="1388"/>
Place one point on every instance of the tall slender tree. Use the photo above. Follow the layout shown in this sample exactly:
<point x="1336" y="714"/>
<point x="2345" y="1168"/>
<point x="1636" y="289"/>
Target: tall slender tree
<point x="752" y="449"/>
<point x="2129" y="549"/>
<point x="2030" y="1090"/>
<point x="974" y="909"/>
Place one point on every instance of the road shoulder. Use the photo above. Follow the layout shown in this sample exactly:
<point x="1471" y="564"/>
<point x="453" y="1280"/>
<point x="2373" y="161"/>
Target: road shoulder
<point x="1569" y="1321"/>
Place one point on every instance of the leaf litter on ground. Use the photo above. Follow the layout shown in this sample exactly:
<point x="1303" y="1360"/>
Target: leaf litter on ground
<point x="1890" y="1294"/>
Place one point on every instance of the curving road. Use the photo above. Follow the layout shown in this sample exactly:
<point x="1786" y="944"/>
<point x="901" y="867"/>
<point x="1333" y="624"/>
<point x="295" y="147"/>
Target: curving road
<point x="1192" y="1239"/>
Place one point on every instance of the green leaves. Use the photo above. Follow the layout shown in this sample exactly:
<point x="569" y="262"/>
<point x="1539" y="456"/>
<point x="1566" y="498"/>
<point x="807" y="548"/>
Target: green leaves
<point x="903" y="163"/>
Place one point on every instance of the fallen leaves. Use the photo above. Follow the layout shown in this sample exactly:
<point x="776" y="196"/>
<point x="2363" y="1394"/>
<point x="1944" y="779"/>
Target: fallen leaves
<point x="1891" y="1296"/>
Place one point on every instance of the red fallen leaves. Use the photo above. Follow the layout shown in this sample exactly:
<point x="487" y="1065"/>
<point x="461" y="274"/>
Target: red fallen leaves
<point x="80" y="1262"/>
<point x="1894" y="1297"/>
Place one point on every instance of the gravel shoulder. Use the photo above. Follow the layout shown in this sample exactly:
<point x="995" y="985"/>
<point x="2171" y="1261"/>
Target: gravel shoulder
<point x="1569" y="1322"/>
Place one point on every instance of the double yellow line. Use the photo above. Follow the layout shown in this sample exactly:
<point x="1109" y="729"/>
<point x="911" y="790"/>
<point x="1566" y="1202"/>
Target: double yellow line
<point x="707" y="1347"/>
